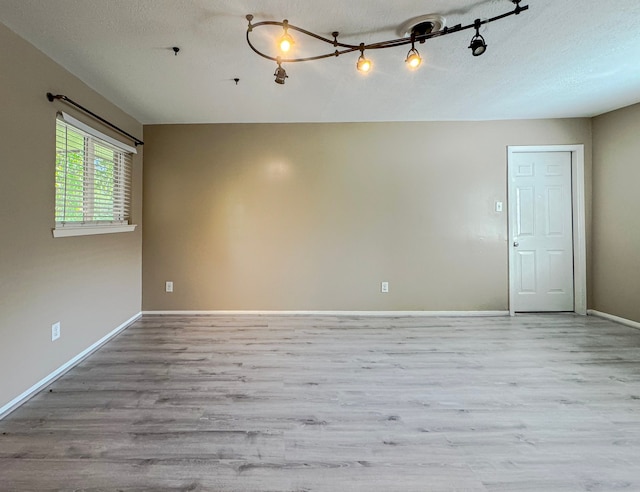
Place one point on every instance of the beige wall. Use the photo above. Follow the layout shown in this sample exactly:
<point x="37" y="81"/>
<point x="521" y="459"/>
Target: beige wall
<point x="616" y="213"/>
<point x="90" y="284"/>
<point x="315" y="216"/>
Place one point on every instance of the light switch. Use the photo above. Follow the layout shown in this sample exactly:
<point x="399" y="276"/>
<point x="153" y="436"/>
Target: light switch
<point x="498" y="206"/>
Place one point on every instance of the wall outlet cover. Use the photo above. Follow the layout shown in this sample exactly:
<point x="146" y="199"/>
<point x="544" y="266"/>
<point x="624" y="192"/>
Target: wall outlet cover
<point x="55" y="331"/>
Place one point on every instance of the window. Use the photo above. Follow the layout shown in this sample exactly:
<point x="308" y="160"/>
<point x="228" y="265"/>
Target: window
<point x="93" y="181"/>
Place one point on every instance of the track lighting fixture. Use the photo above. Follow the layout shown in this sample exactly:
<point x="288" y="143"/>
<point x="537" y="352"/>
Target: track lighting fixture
<point x="280" y="73"/>
<point x="418" y="29"/>
<point x="478" y="45"/>
<point x="413" y="60"/>
<point x="364" y="65"/>
<point x="286" y="40"/>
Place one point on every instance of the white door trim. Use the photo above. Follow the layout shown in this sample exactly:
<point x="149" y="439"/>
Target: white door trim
<point x="579" y="222"/>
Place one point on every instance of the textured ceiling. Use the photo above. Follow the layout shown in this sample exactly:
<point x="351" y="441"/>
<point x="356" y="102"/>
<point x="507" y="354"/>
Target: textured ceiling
<point x="561" y="58"/>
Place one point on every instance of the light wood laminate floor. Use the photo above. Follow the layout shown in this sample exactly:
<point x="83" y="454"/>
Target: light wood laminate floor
<point x="301" y="403"/>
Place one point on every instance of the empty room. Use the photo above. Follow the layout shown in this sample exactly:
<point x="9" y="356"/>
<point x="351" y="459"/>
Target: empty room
<point x="278" y="246"/>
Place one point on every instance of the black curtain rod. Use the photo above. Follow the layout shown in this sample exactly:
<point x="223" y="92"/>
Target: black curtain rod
<point x="52" y="98"/>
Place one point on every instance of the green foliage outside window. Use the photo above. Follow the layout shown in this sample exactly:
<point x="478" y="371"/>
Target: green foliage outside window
<point x="90" y="178"/>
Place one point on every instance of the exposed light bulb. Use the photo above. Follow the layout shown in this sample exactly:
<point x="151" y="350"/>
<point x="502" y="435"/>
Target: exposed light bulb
<point x="413" y="59"/>
<point x="364" y="65"/>
<point x="286" y="43"/>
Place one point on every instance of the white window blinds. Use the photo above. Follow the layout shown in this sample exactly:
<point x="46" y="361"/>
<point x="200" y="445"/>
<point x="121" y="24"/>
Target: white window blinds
<point x="93" y="176"/>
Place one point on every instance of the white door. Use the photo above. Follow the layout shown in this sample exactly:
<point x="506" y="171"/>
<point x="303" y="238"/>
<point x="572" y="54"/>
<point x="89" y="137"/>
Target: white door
<point x="540" y="214"/>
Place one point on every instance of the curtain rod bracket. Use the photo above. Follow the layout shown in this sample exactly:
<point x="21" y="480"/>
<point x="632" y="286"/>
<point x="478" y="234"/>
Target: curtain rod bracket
<point x="52" y="97"/>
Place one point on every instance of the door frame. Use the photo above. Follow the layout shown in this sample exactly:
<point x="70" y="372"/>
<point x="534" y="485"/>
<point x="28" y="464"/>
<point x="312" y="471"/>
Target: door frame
<point x="578" y="215"/>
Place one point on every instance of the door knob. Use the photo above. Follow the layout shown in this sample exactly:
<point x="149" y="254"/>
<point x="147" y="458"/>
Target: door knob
<point x="516" y="244"/>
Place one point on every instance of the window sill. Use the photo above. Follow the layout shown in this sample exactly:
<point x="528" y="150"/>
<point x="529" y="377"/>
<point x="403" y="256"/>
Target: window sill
<point x="69" y="231"/>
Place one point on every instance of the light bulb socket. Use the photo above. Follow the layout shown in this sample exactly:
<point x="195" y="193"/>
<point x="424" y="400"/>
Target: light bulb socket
<point x="280" y="74"/>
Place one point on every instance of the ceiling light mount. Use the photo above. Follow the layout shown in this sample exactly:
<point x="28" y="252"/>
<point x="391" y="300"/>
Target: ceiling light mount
<point x="418" y="29"/>
<point x="422" y="25"/>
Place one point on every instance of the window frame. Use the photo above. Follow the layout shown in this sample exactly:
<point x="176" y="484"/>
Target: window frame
<point x="122" y="175"/>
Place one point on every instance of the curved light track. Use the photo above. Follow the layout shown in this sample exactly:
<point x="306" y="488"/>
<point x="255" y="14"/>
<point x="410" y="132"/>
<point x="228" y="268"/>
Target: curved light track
<point x="343" y="48"/>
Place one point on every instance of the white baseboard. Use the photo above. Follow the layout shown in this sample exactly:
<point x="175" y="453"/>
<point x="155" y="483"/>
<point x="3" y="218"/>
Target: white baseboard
<point x="20" y="399"/>
<point x="444" y="314"/>
<point x="617" y="319"/>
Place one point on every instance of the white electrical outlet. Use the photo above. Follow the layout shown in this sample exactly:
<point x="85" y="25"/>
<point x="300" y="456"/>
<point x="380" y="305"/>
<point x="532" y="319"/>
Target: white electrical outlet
<point x="384" y="287"/>
<point x="168" y="287"/>
<point x="55" y="331"/>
